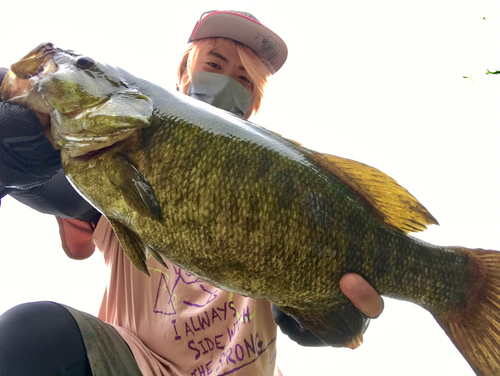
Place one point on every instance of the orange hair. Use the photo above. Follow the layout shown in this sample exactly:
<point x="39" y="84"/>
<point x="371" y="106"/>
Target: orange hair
<point x="253" y="64"/>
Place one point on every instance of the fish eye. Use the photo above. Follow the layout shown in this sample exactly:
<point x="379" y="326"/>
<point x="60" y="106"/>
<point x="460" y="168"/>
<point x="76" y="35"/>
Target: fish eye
<point x="85" y="63"/>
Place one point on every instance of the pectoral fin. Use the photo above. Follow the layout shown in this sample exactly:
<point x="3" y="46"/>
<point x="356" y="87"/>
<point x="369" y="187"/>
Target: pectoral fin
<point x="134" y="187"/>
<point x="392" y="203"/>
<point x="134" y="247"/>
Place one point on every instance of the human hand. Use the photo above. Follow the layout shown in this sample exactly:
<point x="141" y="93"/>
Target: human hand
<point x="362" y="294"/>
<point x="356" y="288"/>
<point x="44" y="120"/>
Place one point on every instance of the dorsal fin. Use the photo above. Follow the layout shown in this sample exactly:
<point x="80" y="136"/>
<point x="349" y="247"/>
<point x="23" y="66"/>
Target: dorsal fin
<point x="393" y="204"/>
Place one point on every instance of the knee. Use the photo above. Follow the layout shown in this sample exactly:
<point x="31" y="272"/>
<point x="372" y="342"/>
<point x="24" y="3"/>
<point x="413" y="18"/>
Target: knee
<point x="31" y="322"/>
<point x="41" y="336"/>
<point x="27" y="315"/>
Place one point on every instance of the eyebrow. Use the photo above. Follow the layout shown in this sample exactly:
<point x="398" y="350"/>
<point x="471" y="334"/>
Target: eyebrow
<point x="216" y="54"/>
<point x="224" y="59"/>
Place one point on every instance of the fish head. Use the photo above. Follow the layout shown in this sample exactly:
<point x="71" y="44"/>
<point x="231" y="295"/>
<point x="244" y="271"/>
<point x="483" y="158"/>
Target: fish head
<point x="91" y="105"/>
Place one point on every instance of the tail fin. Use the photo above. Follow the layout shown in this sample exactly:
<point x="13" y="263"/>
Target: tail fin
<point x="475" y="330"/>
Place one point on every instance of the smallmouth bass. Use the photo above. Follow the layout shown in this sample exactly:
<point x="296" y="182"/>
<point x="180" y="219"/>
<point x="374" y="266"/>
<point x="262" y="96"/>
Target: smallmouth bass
<point x="250" y="211"/>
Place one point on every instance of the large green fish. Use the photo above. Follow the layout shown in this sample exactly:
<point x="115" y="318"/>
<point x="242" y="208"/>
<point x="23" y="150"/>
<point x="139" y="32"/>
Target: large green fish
<point x="249" y="211"/>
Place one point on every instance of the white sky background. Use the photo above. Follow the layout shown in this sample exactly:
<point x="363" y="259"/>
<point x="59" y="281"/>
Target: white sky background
<point x="376" y="81"/>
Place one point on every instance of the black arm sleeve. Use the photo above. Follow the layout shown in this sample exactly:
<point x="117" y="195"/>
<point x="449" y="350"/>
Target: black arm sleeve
<point x="298" y="332"/>
<point x="30" y="168"/>
<point x="57" y="196"/>
<point x="295" y="330"/>
<point x="26" y="156"/>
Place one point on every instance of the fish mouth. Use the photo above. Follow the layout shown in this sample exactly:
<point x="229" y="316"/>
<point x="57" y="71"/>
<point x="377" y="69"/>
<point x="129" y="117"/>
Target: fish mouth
<point x="38" y="61"/>
<point x="18" y="84"/>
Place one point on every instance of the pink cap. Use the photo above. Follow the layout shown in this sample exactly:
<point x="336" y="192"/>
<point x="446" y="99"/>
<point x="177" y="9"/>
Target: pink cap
<point x="244" y="28"/>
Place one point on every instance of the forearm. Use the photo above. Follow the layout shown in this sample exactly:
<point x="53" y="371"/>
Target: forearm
<point x="56" y="196"/>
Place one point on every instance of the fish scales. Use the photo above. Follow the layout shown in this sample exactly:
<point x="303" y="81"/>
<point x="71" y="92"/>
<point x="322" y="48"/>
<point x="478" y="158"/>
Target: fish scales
<point x="252" y="212"/>
<point x="253" y="183"/>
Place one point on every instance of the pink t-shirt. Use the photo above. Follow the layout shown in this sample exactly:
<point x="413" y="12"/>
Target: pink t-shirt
<point x="176" y="324"/>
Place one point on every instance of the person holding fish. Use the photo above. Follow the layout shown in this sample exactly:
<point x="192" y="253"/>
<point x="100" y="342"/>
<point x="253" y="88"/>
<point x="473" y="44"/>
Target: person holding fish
<point x="170" y="322"/>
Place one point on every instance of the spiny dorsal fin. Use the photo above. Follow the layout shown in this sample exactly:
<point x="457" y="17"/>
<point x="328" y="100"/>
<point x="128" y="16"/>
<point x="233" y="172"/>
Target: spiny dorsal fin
<point x="394" y="204"/>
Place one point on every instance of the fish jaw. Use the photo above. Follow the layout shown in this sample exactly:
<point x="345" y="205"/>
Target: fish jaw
<point x="101" y="126"/>
<point x="19" y="84"/>
<point x="38" y="61"/>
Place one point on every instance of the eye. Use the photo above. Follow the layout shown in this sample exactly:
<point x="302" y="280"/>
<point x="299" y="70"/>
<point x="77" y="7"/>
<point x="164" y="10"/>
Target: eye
<point x="214" y="65"/>
<point x="246" y="82"/>
<point x="85" y="63"/>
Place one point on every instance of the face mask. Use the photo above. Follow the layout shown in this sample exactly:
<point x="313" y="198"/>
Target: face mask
<point x="221" y="91"/>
